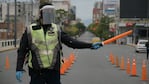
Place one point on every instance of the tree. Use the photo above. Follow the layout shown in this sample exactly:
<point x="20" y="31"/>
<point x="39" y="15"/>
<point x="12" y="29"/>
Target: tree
<point x="61" y="15"/>
<point x="81" y="26"/>
<point x="101" y="29"/>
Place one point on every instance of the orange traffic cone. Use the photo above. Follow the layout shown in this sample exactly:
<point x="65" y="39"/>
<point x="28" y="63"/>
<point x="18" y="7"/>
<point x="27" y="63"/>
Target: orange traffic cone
<point x="68" y="63"/>
<point x="7" y="64"/>
<point x="117" y="61"/>
<point x="113" y="61"/>
<point x="144" y="71"/>
<point x="62" y="71"/>
<point x="63" y="67"/>
<point x="72" y="58"/>
<point x="128" y="66"/>
<point x="133" y="69"/>
<point x="122" y="63"/>
<point x="110" y="57"/>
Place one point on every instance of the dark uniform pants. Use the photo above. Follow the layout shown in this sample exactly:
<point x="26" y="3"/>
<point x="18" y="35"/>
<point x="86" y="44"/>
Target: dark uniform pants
<point x="45" y="76"/>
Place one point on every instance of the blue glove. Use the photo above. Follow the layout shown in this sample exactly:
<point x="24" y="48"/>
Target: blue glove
<point x="97" y="45"/>
<point x="19" y="75"/>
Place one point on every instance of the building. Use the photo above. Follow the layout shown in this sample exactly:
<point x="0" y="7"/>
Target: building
<point x="62" y="4"/>
<point x="97" y="12"/>
<point x="110" y="7"/>
<point x="25" y="14"/>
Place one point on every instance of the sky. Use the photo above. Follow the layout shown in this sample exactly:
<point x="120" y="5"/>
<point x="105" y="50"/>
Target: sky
<point x="84" y="10"/>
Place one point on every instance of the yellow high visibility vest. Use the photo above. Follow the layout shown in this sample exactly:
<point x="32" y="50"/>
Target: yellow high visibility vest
<point x="44" y="47"/>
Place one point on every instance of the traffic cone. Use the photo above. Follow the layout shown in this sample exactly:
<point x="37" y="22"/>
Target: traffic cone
<point x="110" y="57"/>
<point x="63" y="67"/>
<point x="113" y="61"/>
<point x="144" y="71"/>
<point x="133" y="69"/>
<point x="117" y="61"/>
<point x="62" y="71"/>
<point x="72" y="58"/>
<point x="128" y="66"/>
<point x="7" y="64"/>
<point x="68" y="63"/>
<point x="122" y="64"/>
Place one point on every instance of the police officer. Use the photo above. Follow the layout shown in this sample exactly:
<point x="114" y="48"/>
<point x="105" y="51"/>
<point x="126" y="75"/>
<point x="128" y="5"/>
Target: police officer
<point x="42" y="41"/>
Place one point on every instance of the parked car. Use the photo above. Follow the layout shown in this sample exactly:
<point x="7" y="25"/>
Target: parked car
<point x="140" y="47"/>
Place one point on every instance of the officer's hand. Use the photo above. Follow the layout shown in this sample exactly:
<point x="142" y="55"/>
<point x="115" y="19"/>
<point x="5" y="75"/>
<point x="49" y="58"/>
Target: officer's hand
<point x="19" y="75"/>
<point x="96" y="45"/>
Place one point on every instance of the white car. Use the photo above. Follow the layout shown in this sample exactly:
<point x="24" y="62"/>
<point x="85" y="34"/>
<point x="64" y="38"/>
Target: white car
<point x="140" y="47"/>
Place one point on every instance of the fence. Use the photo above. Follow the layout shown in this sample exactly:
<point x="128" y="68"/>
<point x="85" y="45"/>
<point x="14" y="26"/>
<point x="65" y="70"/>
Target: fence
<point x="8" y="43"/>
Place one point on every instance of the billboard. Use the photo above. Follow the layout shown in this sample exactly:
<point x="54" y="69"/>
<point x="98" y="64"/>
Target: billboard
<point x="134" y="8"/>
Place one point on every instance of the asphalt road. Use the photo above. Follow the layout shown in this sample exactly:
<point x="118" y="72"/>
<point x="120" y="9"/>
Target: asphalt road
<point x="90" y="67"/>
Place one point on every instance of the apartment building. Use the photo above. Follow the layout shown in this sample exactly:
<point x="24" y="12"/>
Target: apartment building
<point x="97" y="12"/>
<point x="62" y="4"/>
<point x="110" y="7"/>
<point x="25" y="14"/>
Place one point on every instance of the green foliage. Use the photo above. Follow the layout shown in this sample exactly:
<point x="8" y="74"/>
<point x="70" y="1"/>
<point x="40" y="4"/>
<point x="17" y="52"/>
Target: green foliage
<point x="72" y="30"/>
<point x="60" y="15"/>
<point x="101" y="29"/>
<point x="80" y="26"/>
<point x="75" y="29"/>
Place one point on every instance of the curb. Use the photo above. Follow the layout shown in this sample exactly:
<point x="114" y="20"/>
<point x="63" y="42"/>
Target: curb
<point x="133" y="45"/>
<point x="7" y="49"/>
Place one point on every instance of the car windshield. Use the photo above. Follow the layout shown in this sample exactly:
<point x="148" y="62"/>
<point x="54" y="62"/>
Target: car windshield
<point x="142" y="42"/>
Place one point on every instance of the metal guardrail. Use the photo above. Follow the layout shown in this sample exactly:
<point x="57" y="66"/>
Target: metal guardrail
<point x="8" y="43"/>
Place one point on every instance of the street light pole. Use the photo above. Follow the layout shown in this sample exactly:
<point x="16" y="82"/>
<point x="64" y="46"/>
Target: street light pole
<point x="15" y="25"/>
<point x="8" y="20"/>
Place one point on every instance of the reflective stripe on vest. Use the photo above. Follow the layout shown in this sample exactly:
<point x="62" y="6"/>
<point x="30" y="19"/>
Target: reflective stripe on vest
<point x="47" y="45"/>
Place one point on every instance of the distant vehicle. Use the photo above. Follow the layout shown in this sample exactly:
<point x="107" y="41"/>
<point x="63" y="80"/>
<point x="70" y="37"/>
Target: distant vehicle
<point x="140" y="47"/>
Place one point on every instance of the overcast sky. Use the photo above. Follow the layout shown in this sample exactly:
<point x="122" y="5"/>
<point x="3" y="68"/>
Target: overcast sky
<point x="84" y="9"/>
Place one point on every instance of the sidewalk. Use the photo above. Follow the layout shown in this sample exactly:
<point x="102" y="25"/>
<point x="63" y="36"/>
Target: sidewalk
<point x="133" y="45"/>
<point x="7" y="48"/>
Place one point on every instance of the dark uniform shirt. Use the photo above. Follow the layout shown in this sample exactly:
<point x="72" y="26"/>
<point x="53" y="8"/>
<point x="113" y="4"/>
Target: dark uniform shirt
<point x="67" y="40"/>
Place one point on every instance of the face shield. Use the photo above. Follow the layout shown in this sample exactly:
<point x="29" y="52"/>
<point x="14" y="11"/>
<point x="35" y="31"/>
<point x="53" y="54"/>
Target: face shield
<point x="47" y="14"/>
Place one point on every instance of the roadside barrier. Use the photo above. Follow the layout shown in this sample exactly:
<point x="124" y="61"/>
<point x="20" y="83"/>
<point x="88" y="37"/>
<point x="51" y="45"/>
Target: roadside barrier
<point x="10" y="42"/>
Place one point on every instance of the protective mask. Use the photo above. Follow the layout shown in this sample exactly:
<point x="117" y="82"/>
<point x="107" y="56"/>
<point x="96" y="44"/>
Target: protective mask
<point x="47" y="14"/>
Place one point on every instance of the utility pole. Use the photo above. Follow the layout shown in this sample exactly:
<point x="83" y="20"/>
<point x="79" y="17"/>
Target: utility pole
<point x="26" y="14"/>
<point x="32" y="5"/>
<point x="8" y="20"/>
<point x="117" y="18"/>
<point x="15" y="25"/>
